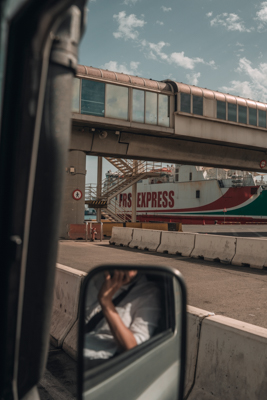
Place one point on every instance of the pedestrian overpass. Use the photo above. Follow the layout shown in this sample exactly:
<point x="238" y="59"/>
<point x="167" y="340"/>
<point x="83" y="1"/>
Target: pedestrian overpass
<point x="122" y="116"/>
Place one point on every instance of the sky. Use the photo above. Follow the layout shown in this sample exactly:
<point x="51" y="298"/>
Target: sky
<point x="213" y="44"/>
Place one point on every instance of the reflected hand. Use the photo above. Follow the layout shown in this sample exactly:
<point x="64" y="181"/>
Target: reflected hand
<point x="112" y="284"/>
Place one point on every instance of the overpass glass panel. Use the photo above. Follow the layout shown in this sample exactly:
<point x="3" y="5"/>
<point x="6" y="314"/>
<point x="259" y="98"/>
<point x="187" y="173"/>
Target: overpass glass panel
<point x="253" y="116"/>
<point x="93" y="98"/>
<point x="163" y="111"/>
<point x="242" y="114"/>
<point x="116" y="101"/>
<point x="232" y="112"/>
<point x="262" y="119"/>
<point x="151" y="108"/>
<point x="76" y="95"/>
<point x="138" y="106"/>
<point x="221" y="110"/>
<point x="198" y="105"/>
<point x="186" y="103"/>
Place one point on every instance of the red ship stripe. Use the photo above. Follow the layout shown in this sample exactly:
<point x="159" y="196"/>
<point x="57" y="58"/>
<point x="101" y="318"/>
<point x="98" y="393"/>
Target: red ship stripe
<point x="232" y="198"/>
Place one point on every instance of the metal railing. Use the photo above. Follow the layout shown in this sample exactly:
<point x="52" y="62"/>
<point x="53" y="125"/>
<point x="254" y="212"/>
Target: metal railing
<point x="113" y="186"/>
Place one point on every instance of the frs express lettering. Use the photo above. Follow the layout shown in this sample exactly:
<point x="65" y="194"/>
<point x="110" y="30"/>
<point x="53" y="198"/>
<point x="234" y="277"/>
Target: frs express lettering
<point x="149" y="199"/>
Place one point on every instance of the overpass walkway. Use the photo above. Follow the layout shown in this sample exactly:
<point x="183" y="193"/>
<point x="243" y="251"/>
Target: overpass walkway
<point x="128" y="117"/>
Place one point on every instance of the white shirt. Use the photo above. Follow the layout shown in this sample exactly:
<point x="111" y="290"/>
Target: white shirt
<point x="139" y="310"/>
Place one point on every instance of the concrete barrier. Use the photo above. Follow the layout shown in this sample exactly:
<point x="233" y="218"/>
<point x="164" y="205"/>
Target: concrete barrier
<point x="212" y="247"/>
<point x="121" y="236"/>
<point x="177" y="243"/>
<point x="195" y="317"/>
<point x="232" y="361"/>
<point x="252" y="252"/>
<point x="107" y="227"/>
<point x="70" y="344"/>
<point x="144" y="239"/>
<point x="66" y="302"/>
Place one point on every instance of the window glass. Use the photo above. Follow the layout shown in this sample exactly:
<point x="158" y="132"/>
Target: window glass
<point x="253" y="116"/>
<point x="138" y="105"/>
<point x="232" y="112"/>
<point x="163" y="112"/>
<point x="76" y="95"/>
<point x="242" y="114"/>
<point x="198" y="105"/>
<point x="262" y="118"/>
<point x="221" y="109"/>
<point x="185" y="103"/>
<point x="116" y="101"/>
<point x="151" y="108"/>
<point x="93" y="98"/>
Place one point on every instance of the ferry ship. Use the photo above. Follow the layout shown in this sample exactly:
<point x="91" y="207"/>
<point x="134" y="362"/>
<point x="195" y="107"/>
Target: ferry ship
<point x="198" y="195"/>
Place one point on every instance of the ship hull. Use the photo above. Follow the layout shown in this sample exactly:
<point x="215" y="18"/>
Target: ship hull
<point x="201" y="202"/>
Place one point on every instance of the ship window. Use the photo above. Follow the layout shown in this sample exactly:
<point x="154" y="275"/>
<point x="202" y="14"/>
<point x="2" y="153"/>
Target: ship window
<point x="242" y="114"/>
<point x="262" y="119"/>
<point x="116" y="101"/>
<point x="221" y="110"/>
<point x="198" y="194"/>
<point x="253" y="116"/>
<point x="185" y="103"/>
<point x="93" y="98"/>
<point x="163" y="110"/>
<point x="176" y="177"/>
<point x="76" y="95"/>
<point x="138" y="105"/>
<point x="190" y="176"/>
<point x="151" y="108"/>
<point x="198" y="105"/>
<point x="231" y="112"/>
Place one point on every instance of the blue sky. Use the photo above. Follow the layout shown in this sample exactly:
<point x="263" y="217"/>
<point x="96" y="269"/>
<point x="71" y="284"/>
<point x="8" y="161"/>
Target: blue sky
<point x="215" y="44"/>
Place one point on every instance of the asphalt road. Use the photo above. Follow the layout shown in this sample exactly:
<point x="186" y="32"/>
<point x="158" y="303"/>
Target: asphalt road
<point x="236" y="292"/>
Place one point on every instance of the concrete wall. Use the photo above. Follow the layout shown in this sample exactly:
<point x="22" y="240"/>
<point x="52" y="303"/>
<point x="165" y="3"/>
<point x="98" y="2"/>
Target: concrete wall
<point x="73" y="210"/>
<point x="226" y="249"/>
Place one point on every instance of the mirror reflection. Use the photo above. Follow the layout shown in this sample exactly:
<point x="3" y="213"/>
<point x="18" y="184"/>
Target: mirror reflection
<point x="123" y="309"/>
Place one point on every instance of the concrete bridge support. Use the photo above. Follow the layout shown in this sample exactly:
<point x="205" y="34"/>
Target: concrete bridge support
<point x="74" y="193"/>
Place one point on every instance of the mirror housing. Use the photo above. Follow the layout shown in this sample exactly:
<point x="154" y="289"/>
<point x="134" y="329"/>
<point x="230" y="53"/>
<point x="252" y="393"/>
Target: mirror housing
<point x="148" y="306"/>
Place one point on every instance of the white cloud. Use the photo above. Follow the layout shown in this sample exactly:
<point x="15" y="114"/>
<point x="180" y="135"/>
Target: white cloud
<point x="255" y="87"/>
<point x="232" y="22"/>
<point x="186" y="62"/>
<point x="130" y="2"/>
<point x="193" y="78"/>
<point x="177" y="58"/>
<point x="209" y="14"/>
<point x="160" y="23"/>
<point x="166" y="9"/>
<point x="127" y="25"/>
<point x="115" y="66"/>
<point x="261" y="15"/>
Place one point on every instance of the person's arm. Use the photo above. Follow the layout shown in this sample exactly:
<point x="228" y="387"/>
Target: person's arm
<point x="123" y="336"/>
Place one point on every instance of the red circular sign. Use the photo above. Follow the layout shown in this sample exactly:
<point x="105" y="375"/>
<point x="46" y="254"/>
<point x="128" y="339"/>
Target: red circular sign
<point x="77" y="194"/>
<point x="224" y="210"/>
<point x="263" y="163"/>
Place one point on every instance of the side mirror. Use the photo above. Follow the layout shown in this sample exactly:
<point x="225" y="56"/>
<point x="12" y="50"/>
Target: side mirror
<point x="132" y="334"/>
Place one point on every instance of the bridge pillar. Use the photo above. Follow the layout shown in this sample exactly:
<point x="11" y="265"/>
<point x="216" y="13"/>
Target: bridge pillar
<point x="73" y="204"/>
<point x="134" y="191"/>
<point x="99" y="185"/>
